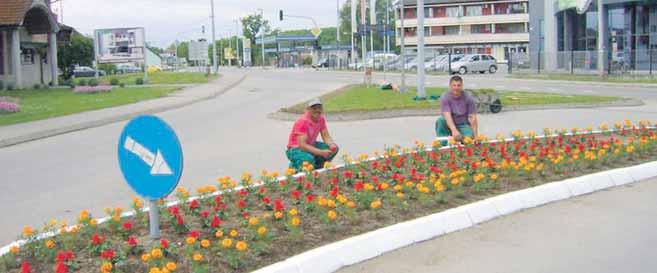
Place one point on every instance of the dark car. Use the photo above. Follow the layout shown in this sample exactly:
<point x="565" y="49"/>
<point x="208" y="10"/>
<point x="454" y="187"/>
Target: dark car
<point x="321" y="63"/>
<point x="85" y="71"/>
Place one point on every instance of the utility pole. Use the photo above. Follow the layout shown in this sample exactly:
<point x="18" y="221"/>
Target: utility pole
<point x="262" y="36"/>
<point x="337" y="33"/>
<point x="421" y="93"/>
<point x="363" y="39"/>
<point x="354" y="29"/>
<point x="237" y="42"/>
<point x="214" y="43"/>
<point x="372" y="24"/>
<point x="402" y="52"/>
<point x="230" y="45"/>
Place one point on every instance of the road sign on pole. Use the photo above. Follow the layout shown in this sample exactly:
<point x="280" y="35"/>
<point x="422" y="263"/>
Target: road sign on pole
<point x="151" y="160"/>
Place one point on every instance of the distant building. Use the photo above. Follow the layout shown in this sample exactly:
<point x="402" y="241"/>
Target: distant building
<point x="494" y="27"/>
<point x="28" y="43"/>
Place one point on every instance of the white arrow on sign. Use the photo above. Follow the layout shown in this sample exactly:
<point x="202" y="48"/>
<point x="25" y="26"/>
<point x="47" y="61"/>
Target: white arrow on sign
<point x="157" y="163"/>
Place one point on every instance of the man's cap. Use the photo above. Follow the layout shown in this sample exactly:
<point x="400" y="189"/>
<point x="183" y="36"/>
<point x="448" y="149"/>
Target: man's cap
<point x="314" y="102"/>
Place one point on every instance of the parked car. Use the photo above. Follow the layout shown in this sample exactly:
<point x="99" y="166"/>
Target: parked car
<point x="444" y="63"/>
<point x="85" y="71"/>
<point x="127" y="68"/>
<point x="321" y="63"/>
<point x="475" y="63"/>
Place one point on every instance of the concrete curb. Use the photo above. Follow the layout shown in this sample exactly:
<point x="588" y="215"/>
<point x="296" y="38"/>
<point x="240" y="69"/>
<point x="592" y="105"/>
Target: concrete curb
<point x="591" y="83"/>
<point x="334" y="256"/>
<point x="104" y="121"/>
<point x="399" y="113"/>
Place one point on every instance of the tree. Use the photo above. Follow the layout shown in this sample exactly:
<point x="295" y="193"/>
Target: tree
<point x="345" y="23"/>
<point x="251" y="26"/>
<point x="78" y="52"/>
<point x="182" y="50"/>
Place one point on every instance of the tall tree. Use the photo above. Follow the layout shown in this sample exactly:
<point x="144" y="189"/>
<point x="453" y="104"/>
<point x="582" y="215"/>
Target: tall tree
<point x="251" y="26"/>
<point x="345" y="23"/>
<point x="78" y="52"/>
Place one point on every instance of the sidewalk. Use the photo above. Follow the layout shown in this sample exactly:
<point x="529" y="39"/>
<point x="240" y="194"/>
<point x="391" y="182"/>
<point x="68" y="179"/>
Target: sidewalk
<point x="25" y="132"/>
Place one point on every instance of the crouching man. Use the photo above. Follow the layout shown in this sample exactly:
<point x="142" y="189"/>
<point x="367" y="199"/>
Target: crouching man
<point x="303" y="145"/>
<point x="459" y="113"/>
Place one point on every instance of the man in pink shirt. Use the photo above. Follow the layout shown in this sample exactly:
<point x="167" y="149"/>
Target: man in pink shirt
<point x="303" y="146"/>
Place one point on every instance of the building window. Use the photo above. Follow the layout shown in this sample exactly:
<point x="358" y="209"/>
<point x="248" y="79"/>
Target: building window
<point x="474" y="10"/>
<point x="427" y="31"/>
<point x="439" y="12"/>
<point x="452" y="11"/>
<point x="410" y="31"/>
<point x="479" y="29"/>
<point x="517" y="8"/>
<point x="502" y="8"/>
<point x="27" y="55"/>
<point x="437" y="31"/>
<point x="428" y="12"/>
<point x="510" y="28"/>
<point x="451" y="30"/>
<point x="410" y="13"/>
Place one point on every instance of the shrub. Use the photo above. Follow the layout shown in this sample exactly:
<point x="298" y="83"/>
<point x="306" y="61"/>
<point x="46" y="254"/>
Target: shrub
<point x="68" y="82"/>
<point x="93" y="82"/>
<point x="307" y="60"/>
<point x="92" y="89"/>
<point x="9" y="107"/>
<point x="10" y="87"/>
<point x="2" y="85"/>
<point x="114" y="81"/>
<point x="36" y="86"/>
<point x="139" y="81"/>
<point x="82" y="82"/>
<point x="121" y="85"/>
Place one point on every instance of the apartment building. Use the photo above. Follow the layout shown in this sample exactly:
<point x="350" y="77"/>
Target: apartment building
<point x="494" y="27"/>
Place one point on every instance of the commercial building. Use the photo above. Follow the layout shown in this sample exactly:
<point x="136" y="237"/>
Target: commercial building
<point x="28" y="43"/>
<point x="582" y="34"/>
<point x="495" y="27"/>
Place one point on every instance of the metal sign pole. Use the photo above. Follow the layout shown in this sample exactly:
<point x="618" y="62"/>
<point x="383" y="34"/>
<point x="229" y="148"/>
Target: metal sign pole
<point x="402" y="52"/>
<point x="154" y="219"/>
<point x="143" y="36"/>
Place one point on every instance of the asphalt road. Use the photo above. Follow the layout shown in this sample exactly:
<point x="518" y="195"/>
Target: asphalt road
<point x="605" y="232"/>
<point x="57" y="177"/>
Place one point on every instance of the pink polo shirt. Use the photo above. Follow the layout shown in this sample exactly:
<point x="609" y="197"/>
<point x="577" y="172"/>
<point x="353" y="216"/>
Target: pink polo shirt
<point x="305" y="125"/>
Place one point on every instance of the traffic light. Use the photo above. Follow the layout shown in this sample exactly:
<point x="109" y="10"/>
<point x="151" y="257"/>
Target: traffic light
<point x="280" y="15"/>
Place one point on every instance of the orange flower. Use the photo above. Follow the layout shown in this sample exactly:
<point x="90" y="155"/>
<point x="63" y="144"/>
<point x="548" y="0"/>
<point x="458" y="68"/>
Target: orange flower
<point x="14" y="249"/>
<point x="172" y="266"/>
<point x="331" y="215"/>
<point x="375" y="204"/>
<point x="219" y="234"/>
<point x="351" y="204"/>
<point x="145" y="258"/>
<point x="253" y="221"/>
<point x="197" y="257"/>
<point x="241" y="246"/>
<point x="156" y="253"/>
<point x="50" y="244"/>
<point x="190" y="240"/>
<point x="28" y="231"/>
<point x="233" y="233"/>
<point x="262" y="231"/>
<point x="227" y="243"/>
<point x="295" y="221"/>
<point x="205" y="244"/>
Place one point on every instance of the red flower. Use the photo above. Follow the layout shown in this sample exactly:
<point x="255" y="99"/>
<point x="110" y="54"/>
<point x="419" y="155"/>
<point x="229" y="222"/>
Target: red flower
<point x="215" y="222"/>
<point x="333" y="181"/>
<point x="241" y="204"/>
<point x="25" y="267"/>
<point x="127" y="226"/>
<point x="474" y="166"/>
<point x="132" y="242"/>
<point x="194" y="233"/>
<point x="348" y="174"/>
<point x="96" y="239"/>
<point x="375" y="179"/>
<point x="164" y="243"/>
<point x="266" y="200"/>
<point x="217" y="200"/>
<point x="278" y="205"/>
<point x="61" y="268"/>
<point x="358" y="186"/>
<point x="243" y="193"/>
<point x="308" y="186"/>
<point x="107" y="254"/>
<point x="179" y="220"/>
<point x="282" y="183"/>
<point x="63" y="256"/>
<point x="296" y="194"/>
<point x="174" y="210"/>
<point x="334" y="192"/>
<point x="262" y="190"/>
<point x="245" y="214"/>
<point x="469" y="152"/>
<point x="193" y="204"/>
<point x="310" y="198"/>
<point x="205" y="214"/>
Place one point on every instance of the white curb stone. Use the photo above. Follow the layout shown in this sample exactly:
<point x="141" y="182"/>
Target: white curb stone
<point x="280" y="267"/>
<point x="508" y="203"/>
<point x="393" y="237"/>
<point x="554" y="191"/>
<point x="456" y="219"/>
<point x="643" y="171"/>
<point x="360" y="248"/>
<point x="531" y="198"/>
<point x="481" y="211"/>
<point x="600" y="181"/>
<point x="322" y="259"/>
<point x="621" y="177"/>
<point x="427" y="227"/>
<point x="579" y="185"/>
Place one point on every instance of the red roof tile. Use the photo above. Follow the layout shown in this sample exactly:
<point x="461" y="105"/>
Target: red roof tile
<point x="13" y="11"/>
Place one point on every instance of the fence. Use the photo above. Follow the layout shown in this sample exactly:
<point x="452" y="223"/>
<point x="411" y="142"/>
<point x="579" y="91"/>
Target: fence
<point x="627" y="62"/>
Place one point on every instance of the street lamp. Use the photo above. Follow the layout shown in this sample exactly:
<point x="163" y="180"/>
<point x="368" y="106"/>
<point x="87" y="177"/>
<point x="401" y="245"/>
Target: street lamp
<point x="262" y="36"/>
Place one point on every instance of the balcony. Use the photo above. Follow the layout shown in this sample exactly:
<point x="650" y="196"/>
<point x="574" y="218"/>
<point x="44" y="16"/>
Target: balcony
<point x="470" y="39"/>
<point x="468" y="20"/>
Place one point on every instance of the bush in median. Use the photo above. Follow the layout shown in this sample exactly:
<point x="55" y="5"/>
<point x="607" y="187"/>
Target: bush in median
<point x="92" y="89"/>
<point x="7" y="107"/>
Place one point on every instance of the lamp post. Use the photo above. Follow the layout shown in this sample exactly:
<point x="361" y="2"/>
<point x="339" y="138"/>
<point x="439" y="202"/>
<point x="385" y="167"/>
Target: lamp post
<point x="262" y="37"/>
<point x="214" y="44"/>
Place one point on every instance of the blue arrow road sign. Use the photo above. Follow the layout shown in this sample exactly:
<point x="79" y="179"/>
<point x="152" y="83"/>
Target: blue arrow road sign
<point x="150" y="157"/>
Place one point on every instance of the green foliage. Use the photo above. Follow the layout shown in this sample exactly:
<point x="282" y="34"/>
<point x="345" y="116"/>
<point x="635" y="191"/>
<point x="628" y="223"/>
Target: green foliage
<point x="251" y="25"/>
<point x="79" y="51"/>
<point x="122" y="85"/>
<point x="2" y="85"/>
<point x="109" y="69"/>
<point x="345" y="23"/>
<point x="82" y="82"/>
<point x="139" y="81"/>
<point x="93" y="82"/>
<point x="114" y="81"/>
<point x="307" y="60"/>
<point x="37" y="86"/>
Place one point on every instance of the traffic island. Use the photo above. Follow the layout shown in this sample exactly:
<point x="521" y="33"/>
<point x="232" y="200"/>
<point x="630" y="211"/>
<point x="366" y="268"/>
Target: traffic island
<point x="240" y="225"/>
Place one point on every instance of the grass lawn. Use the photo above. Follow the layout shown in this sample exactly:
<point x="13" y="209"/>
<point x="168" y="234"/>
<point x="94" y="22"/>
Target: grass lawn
<point x="164" y="77"/>
<point x="588" y="78"/>
<point x="361" y="98"/>
<point x="49" y="103"/>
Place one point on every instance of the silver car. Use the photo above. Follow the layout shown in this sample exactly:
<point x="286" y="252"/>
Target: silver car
<point x="475" y="63"/>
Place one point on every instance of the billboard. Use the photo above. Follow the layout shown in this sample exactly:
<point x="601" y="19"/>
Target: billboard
<point x="198" y="51"/>
<point x="119" y="45"/>
<point x="246" y="52"/>
<point x="229" y="54"/>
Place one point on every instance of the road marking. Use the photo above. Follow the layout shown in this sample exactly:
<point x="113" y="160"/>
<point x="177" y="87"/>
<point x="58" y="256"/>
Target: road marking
<point x="157" y="163"/>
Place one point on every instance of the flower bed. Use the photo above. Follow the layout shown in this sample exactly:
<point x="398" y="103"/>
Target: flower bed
<point x="9" y="105"/>
<point x="256" y="222"/>
<point x="92" y="89"/>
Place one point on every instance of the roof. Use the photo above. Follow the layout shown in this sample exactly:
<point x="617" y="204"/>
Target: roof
<point x="13" y="11"/>
<point x="434" y="2"/>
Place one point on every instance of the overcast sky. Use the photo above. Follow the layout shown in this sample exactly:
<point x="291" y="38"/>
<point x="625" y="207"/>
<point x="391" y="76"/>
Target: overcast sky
<point x="168" y="20"/>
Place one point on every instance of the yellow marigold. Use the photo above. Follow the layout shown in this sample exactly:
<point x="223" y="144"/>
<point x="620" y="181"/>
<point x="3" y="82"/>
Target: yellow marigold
<point x="330" y="203"/>
<point x="375" y="204"/>
<point x="156" y="253"/>
<point x="106" y="267"/>
<point x="172" y="266"/>
<point x="233" y="233"/>
<point x="409" y="184"/>
<point x="341" y="198"/>
<point x="384" y="186"/>
<point x="84" y="215"/>
<point x="493" y="176"/>
<point x="262" y="231"/>
<point x="93" y="222"/>
<point x="154" y="270"/>
<point x="197" y="257"/>
<point x="227" y="243"/>
<point x="219" y="234"/>
<point x="400" y="195"/>
<point x="241" y="246"/>
<point x="331" y="215"/>
<point x="137" y="203"/>
<point x="290" y="172"/>
<point x="368" y="187"/>
<point x="253" y="221"/>
<point x="28" y="231"/>
<point x="205" y="243"/>
<point x="164" y="270"/>
<point x="145" y="257"/>
<point x="295" y="221"/>
<point x="351" y="204"/>
<point x="50" y="244"/>
<point x="397" y="187"/>
<point x="293" y="212"/>
<point x="278" y="215"/>
<point x="14" y="249"/>
<point x="321" y="201"/>
<point x="190" y="240"/>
